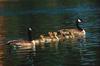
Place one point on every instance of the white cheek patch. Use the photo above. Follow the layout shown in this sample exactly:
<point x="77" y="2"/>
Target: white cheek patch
<point x="84" y="32"/>
<point x="79" y="20"/>
<point x="30" y="29"/>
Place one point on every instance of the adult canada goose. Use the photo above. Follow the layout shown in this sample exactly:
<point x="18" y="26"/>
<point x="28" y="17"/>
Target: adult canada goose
<point x="74" y="33"/>
<point x="21" y="42"/>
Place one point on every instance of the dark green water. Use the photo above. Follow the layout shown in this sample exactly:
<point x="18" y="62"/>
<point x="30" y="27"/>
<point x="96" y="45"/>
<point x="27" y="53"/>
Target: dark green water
<point x="43" y="17"/>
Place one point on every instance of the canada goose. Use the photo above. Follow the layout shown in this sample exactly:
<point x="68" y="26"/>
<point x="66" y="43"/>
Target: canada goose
<point x="73" y="33"/>
<point x="21" y="42"/>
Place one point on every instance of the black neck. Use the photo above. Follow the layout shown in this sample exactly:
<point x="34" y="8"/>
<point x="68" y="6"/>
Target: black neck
<point x="77" y="25"/>
<point x="29" y="34"/>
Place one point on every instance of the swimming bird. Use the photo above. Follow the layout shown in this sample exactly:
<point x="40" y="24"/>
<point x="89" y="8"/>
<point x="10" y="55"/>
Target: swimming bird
<point x="73" y="33"/>
<point x="55" y="35"/>
<point x="48" y="39"/>
<point x="42" y="39"/>
<point x="52" y="37"/>
<point x="66" y="35"/>
<point x="23" y="43"/>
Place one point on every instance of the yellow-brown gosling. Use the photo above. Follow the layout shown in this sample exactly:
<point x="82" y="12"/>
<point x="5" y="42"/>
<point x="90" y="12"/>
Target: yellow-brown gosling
<point x="48" y="39"/>
<point x="67" y="35"/>
<point x="52" y="36"/>
<point x="40" y="40"/>
<point x="61" y="35"/>
<point x="55" y="35"/>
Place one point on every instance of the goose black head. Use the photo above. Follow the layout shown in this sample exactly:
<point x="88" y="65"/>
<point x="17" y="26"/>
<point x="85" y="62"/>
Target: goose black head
<point x="29" y="32"/>
<point x="77" y="24"/>
<point x="79" y="20"/>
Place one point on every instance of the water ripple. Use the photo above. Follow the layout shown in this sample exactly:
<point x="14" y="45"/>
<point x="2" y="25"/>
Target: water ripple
<point x="49" y="11"/>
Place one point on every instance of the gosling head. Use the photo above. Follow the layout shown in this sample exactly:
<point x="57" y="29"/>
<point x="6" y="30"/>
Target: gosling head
<point x="63" y="32"/>
<point x="41" y="36"/>
<point x="50" y="33"/>
<point x="55" y="33"/>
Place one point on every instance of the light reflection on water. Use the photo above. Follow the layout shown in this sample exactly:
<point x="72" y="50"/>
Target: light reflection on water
<point x="83" y="52"/>
<point x="1" y="55"/>
<point x="2" y="37"/>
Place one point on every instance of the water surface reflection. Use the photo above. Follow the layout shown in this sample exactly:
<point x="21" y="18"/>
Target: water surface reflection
<point x="2" y="40"/>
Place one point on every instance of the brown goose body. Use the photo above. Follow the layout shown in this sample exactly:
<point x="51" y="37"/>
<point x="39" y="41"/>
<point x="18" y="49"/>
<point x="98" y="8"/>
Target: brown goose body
<point x="22" y="42"/>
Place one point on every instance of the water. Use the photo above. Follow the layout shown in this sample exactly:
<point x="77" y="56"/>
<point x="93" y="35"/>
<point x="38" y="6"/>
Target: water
<point x="84" y="52"/>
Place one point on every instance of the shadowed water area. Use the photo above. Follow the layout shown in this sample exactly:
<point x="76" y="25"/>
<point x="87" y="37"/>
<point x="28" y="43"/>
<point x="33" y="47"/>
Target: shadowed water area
<point x="45" y="16"/>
